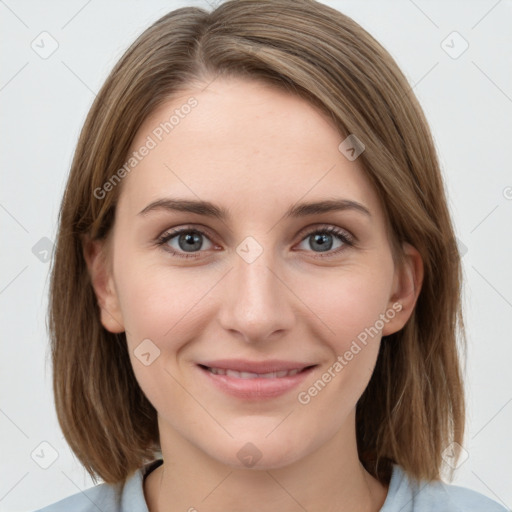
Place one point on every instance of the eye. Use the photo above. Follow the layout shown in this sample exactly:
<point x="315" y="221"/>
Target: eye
<point x="321" y="240"/>
<point x="189" y="242"/>
<point x="185" y="240"/>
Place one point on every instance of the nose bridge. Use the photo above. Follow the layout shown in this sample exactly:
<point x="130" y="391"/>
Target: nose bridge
<point x="258" y="303"/>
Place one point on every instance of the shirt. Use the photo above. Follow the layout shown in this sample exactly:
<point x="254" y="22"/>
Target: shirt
<point x="404" y="495"/>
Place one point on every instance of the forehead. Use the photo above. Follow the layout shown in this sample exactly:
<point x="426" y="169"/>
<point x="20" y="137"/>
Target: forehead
<point x="245" y="143"/>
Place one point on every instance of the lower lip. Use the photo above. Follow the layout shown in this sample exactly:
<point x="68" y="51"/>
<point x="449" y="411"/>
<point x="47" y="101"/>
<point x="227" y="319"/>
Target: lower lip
<point x="257" y="388"/>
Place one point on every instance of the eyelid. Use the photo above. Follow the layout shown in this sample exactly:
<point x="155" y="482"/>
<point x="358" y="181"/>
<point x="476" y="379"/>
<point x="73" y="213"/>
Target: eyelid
<point x="329" y="228"/>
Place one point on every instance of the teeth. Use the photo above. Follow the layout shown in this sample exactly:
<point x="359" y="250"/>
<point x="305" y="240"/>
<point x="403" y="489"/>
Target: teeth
<point x="250" y="375"/>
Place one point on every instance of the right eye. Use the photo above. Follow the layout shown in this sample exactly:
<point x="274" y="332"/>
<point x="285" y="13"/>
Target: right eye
<point x="186" y="240"/>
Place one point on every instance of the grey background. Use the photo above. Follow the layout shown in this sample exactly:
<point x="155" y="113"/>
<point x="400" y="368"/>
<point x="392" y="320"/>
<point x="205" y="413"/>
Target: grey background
<point x="468" y="103"/>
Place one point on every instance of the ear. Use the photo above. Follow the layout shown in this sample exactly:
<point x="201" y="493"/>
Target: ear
<point x="407" y="284"/>
<point x="96" y="255"/>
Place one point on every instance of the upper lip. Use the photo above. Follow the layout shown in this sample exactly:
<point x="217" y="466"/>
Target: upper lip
<point x="269" y="366"/>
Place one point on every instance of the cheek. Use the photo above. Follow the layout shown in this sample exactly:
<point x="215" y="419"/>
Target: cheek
<point x="351" y="308"/>
<point x="349" y="303"/>
<point x="166" y="306"/>
<point x="160" y="305"/>
<point x="156" y="300"/>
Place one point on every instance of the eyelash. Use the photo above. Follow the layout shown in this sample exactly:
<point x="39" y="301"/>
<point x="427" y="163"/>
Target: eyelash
<point x="343" y="236"/>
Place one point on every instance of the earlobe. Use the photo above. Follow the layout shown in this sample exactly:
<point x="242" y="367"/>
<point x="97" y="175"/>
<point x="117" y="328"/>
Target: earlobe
<point x="406" y="289"/>
<point x="98" y="265"/>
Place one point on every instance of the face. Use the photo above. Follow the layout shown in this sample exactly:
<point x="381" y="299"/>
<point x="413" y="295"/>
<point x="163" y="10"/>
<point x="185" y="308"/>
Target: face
<point x="258" y="326"/>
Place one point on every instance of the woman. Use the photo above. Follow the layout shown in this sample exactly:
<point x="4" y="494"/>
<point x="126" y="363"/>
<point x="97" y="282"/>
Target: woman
<point x="255" y="296"/>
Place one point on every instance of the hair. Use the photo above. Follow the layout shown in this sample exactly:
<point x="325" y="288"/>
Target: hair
<point x="414" y="405"/>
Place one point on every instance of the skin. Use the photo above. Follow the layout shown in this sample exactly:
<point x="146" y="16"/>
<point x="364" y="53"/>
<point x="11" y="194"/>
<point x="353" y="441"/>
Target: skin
<point x="255" y="151"/>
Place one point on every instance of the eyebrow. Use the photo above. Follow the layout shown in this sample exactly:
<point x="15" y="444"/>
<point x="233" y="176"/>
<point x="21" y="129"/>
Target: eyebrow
<point x="209" y="209"/>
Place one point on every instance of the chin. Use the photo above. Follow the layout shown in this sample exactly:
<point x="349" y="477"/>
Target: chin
<point x="258" y="453"/>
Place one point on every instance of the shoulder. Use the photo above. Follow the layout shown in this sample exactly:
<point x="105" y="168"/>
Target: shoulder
<point x="409" y="495"/>
<point x="126" y="496"/>
<point x="447" y="497"/>
<point x="103" y="497"/>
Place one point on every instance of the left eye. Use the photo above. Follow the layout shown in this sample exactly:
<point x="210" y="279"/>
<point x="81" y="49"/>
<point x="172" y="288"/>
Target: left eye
<point x="322" y="239"/>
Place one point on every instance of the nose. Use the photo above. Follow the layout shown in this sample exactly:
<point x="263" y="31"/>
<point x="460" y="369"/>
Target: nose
<point x="257" y="303"/>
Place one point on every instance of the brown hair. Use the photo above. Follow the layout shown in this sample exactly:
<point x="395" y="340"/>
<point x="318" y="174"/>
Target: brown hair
<point x="414" y="404"/>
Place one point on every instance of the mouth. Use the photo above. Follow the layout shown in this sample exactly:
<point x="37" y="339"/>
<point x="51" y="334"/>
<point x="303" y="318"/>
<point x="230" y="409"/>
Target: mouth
<point x="255" y="381"/>
<point x="251" y="375"/>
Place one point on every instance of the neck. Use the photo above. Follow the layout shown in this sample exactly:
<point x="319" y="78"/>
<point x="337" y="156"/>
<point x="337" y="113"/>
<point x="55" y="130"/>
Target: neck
<point x="330" y="479"/>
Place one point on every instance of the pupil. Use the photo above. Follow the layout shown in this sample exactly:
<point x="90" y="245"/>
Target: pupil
<point x="191" y="241"/>
<point x="321" y="239"/>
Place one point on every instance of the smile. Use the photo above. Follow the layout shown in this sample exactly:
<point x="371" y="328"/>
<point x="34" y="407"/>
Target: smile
<point x="250" y="375"/>
<point x="249" y="380"/>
